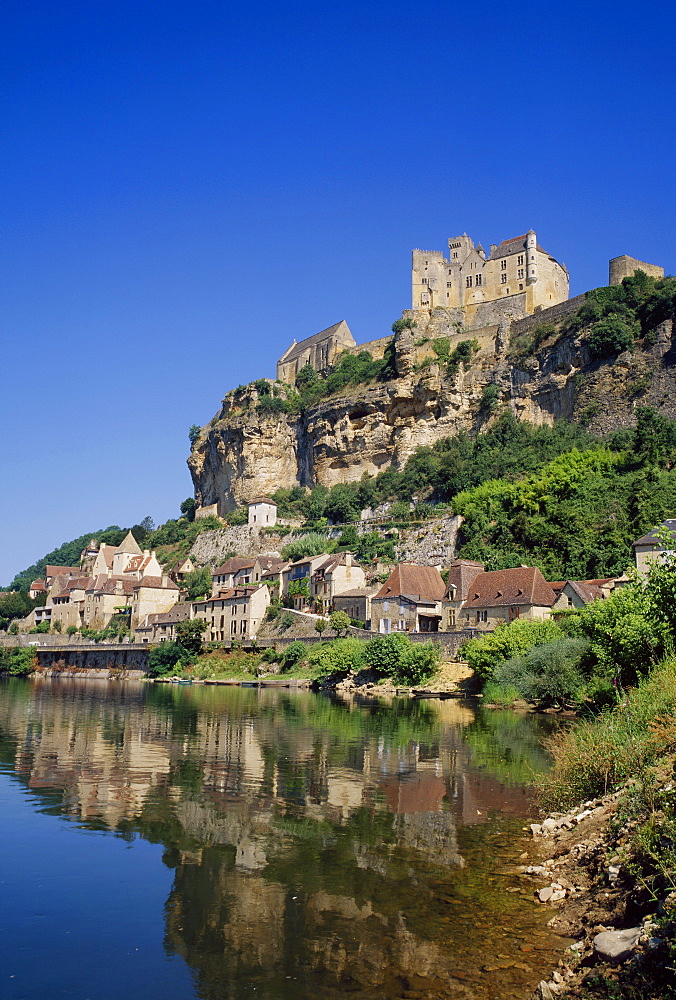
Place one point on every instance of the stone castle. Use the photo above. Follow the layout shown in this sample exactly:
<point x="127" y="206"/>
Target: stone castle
<point x="466" y="291"/>
<point x="468" y="277"/>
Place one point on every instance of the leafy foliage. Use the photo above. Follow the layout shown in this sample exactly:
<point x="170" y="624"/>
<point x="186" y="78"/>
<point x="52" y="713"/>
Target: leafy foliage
<point x="198" y="583"/>
<point x="485" y="653"/>
<point x="18" y="661"/>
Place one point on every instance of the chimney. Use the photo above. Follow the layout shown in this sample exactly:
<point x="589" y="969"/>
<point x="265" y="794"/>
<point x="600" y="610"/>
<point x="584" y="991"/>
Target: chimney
<point x="348" y="559"/>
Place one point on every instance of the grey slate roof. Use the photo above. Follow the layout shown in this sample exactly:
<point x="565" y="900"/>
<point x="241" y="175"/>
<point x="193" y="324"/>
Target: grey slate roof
<point x="652" y="537"/>
<point x="318" y="338"/>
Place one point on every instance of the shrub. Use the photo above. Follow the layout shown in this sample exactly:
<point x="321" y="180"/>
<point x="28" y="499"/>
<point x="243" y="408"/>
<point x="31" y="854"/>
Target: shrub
<point x="405" y="323"/>
<point x="383" y="653"/>
<point x="418" y="662"/>
<point x="548" y="674"/>
<point x="162" y="659"/>
<point x="484" y="653"/>
<point x="490" y="397"/>
<point x="18" y="661"/>
<point x="610" y="336"/>
<point x="337" y="657"/>
<point x="293" y="653"/>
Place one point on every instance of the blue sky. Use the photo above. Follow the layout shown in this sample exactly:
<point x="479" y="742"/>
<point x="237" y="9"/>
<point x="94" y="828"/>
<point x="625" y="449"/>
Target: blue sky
<point x="186" y="186"/>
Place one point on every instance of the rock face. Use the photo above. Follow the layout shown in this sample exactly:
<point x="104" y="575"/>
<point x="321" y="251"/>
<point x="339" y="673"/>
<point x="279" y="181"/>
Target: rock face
<point x="246" y="450"/>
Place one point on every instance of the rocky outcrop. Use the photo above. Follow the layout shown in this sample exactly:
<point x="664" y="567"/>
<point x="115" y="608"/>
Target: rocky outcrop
<point x="248" y="449"/>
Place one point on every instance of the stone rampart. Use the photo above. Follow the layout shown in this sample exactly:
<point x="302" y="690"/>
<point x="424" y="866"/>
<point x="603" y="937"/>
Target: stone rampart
<point x="552" y="315"/>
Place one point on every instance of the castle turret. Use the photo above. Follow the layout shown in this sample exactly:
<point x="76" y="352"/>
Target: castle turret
<point x="531" y="258"/>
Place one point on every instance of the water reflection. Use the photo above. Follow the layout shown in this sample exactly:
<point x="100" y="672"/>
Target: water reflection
<point x="319" y="847"/>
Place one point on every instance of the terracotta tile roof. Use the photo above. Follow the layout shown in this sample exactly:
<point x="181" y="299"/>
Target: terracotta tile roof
<point x="652" y="537"/>
<point x="233" y="565"/>
<point x="250" y="503"/>
<point x="37" y="585"/>
<point x="153" y="583"/>
<point x="62" y="571"/>
<point x="409" y="579"/>
<point x="523" y="585"/>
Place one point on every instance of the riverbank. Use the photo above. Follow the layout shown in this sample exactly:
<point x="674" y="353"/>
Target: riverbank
<point x="606" y="865"/>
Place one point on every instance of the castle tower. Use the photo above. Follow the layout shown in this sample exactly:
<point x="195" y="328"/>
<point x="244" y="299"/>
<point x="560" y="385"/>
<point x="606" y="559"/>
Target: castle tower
<point x="531" y="257"/>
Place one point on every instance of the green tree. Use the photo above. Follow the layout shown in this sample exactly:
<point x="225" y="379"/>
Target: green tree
<point x="163" y="659"/>
<point x="188" y="508"/>
<point x="339" y="622"/>
<point x="198" y="583"/>
<point x="321" y="625"/>
<point x="194" y="432"/>
<point x="71" y="630"/>
<point x="189" y="635"/>
<point x="293" y="653"/>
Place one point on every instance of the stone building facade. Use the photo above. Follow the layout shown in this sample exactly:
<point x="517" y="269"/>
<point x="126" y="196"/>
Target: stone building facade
<point x="320" y="351"/>
<point x="468" y="277"/>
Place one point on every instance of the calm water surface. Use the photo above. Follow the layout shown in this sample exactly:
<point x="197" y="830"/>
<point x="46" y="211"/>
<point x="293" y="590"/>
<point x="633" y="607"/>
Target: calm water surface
<point x="179" y="842"/>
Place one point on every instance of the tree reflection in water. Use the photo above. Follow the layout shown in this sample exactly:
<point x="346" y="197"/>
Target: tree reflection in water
<point x="320" y="847"/>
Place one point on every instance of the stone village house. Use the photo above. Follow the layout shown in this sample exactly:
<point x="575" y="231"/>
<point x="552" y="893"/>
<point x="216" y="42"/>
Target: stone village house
<point x="409" y="601"/>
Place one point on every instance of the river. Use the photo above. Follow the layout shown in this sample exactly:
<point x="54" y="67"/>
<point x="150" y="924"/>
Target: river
<point x="200" y="842"/>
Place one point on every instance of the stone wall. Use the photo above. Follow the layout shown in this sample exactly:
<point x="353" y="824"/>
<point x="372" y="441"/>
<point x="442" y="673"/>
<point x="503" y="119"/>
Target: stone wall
<point x="105" y="660"/>
<point x="624" y="267"/>
<point x="552" y="315"/>
<point x="211" y="548"/>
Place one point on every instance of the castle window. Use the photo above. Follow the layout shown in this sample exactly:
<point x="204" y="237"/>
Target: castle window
<point x="449" y="271"/>
<point x="519" y="259"/>
<point x="503" y="265"/>
<point x="478" y="279"/>
<point x="503" y="279"/>
<point x="455" y="255"/>
<point x="519" y="273"/>
<point x="448" y="284"/>
<point x="520" y="288"/>
<point x="468" y="280"/>
<point x="425" y="281"/>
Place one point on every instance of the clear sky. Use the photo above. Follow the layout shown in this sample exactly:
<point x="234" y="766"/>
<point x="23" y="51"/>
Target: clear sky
<point x="187" y="185"/>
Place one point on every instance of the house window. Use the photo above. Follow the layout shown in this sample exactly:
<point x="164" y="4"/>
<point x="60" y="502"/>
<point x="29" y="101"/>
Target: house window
<point x="503" y="279"/>
<point x="402" y="624"/>
<point x="482" y="616"/>
<point x="519" y="259"/>
<point x="386" y="605"/>
<point x="468" y="281"/>
<point x="503" y="265"/>
<point x="478" y="279"/>
<point x="451" y="618"/>
<point x="519" y="273"/>
<point x="233" y="628"/>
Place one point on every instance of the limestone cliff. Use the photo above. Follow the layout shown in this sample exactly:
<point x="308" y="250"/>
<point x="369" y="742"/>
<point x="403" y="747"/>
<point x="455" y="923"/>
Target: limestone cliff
<point x="244" y="452"/>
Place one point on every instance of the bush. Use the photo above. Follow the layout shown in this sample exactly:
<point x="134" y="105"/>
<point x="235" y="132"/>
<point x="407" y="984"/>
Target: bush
<point x="490" y="397"/>
<point x="547" y="674"/>
<point x="486" y="652"/>
<point x="18" y="661"/>
<point x="418" y="662"/>
<point x="610" y="336"/>
<point x="336" y="658"/>
<point x="163" y="659"/>
<point x="395" y="656"/>
<point x="293" y="653"/>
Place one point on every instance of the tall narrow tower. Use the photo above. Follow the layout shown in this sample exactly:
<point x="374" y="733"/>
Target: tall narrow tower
<point x="531" y="258"/>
